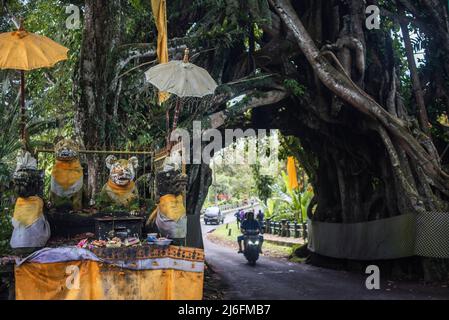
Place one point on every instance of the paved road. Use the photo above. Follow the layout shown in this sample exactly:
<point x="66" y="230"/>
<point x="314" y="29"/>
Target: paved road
<point x="280" y="279"/>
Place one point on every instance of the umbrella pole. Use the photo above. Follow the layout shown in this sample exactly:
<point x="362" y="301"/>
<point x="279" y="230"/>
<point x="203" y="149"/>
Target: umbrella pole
<point x="175" y="118"/>
<point x="177" y="112"/>
<point x="22" y="107"/>
<point x="167" y="126"/>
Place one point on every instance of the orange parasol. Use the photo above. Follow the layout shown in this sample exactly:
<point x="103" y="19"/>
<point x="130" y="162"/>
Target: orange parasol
<point x="26" y="51"/>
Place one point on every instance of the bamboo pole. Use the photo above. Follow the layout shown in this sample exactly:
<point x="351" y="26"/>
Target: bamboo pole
<point x="100" y="151"/>
<point x="22" y="106"/>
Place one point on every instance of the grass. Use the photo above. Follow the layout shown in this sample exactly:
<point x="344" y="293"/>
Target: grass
<point x="221" y="234"/>
<point x="295" y="258"/>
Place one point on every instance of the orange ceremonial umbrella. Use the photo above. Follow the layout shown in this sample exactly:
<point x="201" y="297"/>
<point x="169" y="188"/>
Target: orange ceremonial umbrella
<point x="25" y="51"/>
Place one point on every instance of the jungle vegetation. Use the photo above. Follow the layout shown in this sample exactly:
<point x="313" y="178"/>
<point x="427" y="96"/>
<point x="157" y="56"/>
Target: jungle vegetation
<point x="360" y="106"/>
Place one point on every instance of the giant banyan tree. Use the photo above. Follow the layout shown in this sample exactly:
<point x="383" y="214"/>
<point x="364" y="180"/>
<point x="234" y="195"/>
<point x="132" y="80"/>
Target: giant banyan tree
<point x="363" y="107"/>
<point x="378" y="153"/>
<point x="360" y="101"/>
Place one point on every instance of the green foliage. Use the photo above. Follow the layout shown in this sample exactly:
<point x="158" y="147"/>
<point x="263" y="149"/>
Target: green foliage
<point x="287" y="203"/>
<point x="260" y="9"/>
<point x="295" y="87"/>
<point x="48" y="18"/>
<point x="9" y="145"/>
<point x="272" y="207"/>
<point x="224" y="24"/>
<point x="5" y="230"/>
<point x="233" y="180"/>
<point x="263" y="182"/>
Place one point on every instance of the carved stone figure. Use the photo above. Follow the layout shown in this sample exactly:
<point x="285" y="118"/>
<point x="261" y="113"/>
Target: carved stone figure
<point x="31" y="228"/>
<point x="66" y="190"/>
<point x="120" y="191"/>
<point x="170" y="214"/>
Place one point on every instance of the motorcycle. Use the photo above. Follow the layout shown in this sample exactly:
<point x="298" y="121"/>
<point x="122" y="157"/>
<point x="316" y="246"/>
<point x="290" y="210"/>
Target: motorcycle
<point x="251" y="251"/>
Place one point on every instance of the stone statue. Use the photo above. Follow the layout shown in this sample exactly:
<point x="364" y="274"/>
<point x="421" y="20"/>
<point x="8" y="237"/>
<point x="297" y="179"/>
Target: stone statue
<point x="66" y="190"/>
<point x="31" y="228"/>
<point x="170" y="214"/>
<point x="120" y="191"/>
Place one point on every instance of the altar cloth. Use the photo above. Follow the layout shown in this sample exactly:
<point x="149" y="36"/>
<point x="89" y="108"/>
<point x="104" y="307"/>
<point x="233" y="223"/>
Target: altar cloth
<point x="70" y="273"/>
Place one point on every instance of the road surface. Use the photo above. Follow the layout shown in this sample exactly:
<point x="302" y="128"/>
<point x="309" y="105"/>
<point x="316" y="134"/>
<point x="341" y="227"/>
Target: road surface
<point x="279" y="279"/>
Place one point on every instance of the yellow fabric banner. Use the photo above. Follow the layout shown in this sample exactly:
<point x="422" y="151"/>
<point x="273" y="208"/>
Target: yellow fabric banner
<point x="28" y="210"/>
<point x="159" y="8"/>
<point x="92" y="280"/>
<point x="291" y="172"/>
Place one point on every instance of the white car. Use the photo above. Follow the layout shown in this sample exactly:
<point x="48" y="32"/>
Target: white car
<point x="213" y="214"/>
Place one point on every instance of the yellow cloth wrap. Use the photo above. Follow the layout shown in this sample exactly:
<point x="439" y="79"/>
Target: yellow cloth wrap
<point x="159" y="8"/>
<point x="172" y="206"/>
<point x="28" y="210"/>
<point x="67" y="173"/>
<point x="291" y="172"/>
<point x="121" y="194"/>
<point x="100" y="281"/>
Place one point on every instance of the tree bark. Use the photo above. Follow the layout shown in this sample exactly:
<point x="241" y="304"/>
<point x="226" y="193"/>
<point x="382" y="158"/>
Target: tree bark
<point x="95" y="105"/>
<point x="381" y="121"/>
<point x="200" y="179"/>
<point x="417" y="89"/>
<point x="372" y="160"/>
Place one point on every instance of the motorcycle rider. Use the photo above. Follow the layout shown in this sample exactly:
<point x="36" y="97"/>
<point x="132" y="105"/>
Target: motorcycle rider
<point x="249" y="226"/>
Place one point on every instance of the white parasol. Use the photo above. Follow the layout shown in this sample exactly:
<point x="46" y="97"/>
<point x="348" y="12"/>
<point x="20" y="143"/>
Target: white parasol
<point x="183" y="79"/>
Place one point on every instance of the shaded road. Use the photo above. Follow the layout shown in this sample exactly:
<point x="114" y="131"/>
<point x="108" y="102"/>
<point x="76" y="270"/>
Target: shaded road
<point x="273" y="279"/>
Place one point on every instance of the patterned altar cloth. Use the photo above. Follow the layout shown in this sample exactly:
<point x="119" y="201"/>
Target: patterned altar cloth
<point x="131" y="273"/>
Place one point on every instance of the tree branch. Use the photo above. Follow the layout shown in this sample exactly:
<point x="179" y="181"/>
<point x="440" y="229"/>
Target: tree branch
<point x="416" y="83"/>
<point x="339" y="83"/>
<point x="257" y="99"/>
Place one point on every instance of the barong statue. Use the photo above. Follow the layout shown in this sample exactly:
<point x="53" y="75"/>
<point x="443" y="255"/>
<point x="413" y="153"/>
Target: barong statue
<point x="66" y="190"/>
<point x="120" y="191"/>
<point x="31" y="228"/>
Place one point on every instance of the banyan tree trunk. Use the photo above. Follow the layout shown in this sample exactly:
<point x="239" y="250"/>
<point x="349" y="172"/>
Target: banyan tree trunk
<point x="200" y="178"/>
<point x="101" y="32"/>
<point x="374" y="159"/>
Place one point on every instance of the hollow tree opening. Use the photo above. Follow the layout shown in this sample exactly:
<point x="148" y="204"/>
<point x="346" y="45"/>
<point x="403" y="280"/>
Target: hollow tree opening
<point x="346" y="92"/>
